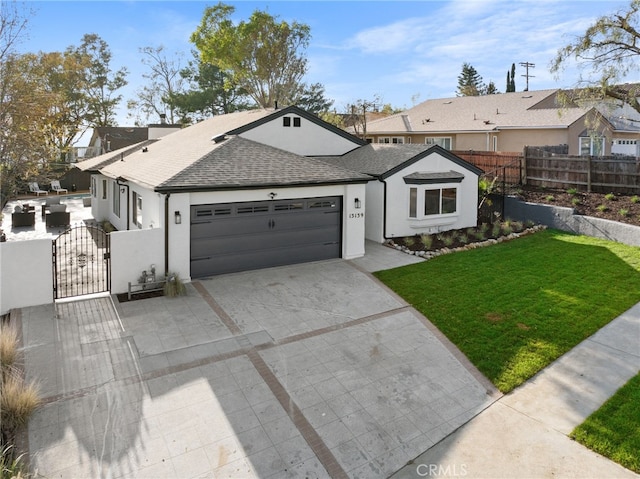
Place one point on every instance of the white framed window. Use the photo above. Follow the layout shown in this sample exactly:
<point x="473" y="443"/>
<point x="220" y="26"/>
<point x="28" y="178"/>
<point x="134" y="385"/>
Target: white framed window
<point x="443" y="141"/>
<point x="591" y="146"/>
<point x="104" y="189"/>
<point x="116" y="199"/>
<point x="396" y="140"/>
<point x="137" y="210"/>
<point x="435" y="201"/>
<point x="94" y="187"/>
<point x="495" y="143"/>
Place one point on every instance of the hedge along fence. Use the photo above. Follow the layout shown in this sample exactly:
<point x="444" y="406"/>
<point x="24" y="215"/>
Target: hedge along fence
<point x="590" y="173"/>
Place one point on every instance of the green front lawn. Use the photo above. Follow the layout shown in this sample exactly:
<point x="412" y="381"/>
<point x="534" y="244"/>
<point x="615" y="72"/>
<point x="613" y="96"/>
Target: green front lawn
<point x="514" y="307"/>
<point x="613" y="430"/>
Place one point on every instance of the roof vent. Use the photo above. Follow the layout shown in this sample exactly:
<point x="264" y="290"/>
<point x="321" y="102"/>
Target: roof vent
<point x="447" y="102"/>
<point x="527" y="96"/>
<point x="219" y="138"/>
<point x="145" y="149"/>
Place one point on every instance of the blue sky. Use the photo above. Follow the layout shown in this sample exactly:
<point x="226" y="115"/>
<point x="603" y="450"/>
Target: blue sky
<point x="405" y="52"/>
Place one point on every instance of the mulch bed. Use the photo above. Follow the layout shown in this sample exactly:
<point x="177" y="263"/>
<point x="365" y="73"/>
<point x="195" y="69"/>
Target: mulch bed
<point x="618" y="207"/>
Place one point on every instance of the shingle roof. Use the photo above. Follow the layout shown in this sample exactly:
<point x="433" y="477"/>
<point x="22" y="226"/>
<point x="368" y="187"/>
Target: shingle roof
<point x="481" y="113"/>
<point x="98" y="162"/>
<point x="382" y="160"/>
<point x="242" y="163"/>
<point x="190" y="159"/>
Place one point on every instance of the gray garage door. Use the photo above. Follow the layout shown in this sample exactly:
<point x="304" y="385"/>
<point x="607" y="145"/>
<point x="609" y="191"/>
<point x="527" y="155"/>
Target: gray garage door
<point x="242" y="236"/>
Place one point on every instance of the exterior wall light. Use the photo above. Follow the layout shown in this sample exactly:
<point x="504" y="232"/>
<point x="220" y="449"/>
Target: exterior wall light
<point x="357" y="203"/>
<point x="178" y="217"/>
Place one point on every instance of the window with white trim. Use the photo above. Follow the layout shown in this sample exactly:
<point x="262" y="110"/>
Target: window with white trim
<point x="94" y="187"/>
<point x="116" y="199"/>
<point x="591" y="146"/>
<point x="104" y="189"/>
<point x="396" y="140"/>
<point x="443" y="141"/>
<point x="137" y="210"/>
<point x="437" y="201"/>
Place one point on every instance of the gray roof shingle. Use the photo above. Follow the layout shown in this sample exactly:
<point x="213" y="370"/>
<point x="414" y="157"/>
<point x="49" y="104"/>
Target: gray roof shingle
<point x="242" y="163"/>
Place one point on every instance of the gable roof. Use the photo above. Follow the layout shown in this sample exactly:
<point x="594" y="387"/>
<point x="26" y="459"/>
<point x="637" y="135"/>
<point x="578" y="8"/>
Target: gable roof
<point x="304" y="114"/>
<point x="190" y="160"/>
<point x="530" y="109"/>
<point x="382" y="160"/>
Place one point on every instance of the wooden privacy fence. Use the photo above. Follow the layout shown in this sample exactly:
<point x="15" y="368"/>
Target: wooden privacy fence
<point x="590" y="173"/>
<point x="507" y="166"/>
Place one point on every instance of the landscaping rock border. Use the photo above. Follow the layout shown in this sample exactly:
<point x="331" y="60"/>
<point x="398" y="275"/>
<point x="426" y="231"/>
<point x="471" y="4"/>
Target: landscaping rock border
<point x="478" y="244"/>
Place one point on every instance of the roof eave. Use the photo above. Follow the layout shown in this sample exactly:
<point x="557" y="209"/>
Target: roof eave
<point x="262" y="186"/>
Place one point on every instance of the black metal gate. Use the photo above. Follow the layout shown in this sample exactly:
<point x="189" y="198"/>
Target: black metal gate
<point x="81" y="262"/>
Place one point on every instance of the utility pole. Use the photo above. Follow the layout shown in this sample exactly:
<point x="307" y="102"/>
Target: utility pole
<point x="527" y="65"/>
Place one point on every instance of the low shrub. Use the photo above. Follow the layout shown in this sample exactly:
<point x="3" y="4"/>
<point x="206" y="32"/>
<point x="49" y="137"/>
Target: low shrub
<point x="12" y="467"/>
<point x="602" y="208"/>
<point x="623" y="212"/>
<point x="426" y="241"/>
<point x="174" y="286"/>
<point x="550" y="198"/>
<point x="635" y="199"/>
<point x="572" y="191"/>
<point x="8" y="345"/>
<point x="610" y="197"/>
<point x="18" y="402"/>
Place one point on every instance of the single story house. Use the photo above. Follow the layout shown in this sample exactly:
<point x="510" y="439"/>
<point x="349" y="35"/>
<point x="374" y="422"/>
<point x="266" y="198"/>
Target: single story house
<point x="238" y="191"/>
<point x="418" y="189"/>
<point x="507" y="122"/>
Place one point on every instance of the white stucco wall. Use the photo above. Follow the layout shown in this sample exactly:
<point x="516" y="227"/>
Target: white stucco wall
<point x="375" y="214"/>
<point x="133" y="252"/>
<point x="26" y="274"/>
<point x="309" y="139"/>
<point x="399" y="224"/>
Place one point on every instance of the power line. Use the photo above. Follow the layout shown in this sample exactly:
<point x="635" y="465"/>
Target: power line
<point x="527" y="65"/>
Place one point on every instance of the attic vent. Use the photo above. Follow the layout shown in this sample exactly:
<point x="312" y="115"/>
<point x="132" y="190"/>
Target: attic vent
<point x="447" y="102"/>
<point x="426" y="120"/>
<point x="527" y="96"/>
<point x="487" y="122"/>
<point x="219" y="138"/>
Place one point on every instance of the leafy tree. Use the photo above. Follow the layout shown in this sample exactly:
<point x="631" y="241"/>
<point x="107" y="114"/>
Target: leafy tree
<point x="606" y="54"/>
<point x="164" y="80"/>
<point x="469" y="82"/>
<point x="209" y="91"/>
<point x="100" y="82"/>
<point x="261" y="55"/>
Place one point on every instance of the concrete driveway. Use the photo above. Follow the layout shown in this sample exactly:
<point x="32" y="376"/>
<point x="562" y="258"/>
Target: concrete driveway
<point x="312" y="370"/>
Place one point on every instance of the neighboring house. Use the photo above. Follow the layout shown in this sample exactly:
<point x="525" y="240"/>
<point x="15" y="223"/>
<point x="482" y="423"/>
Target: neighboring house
<point x="506" y="122"/>
<point x="238" y="191"/>
<point x="110" y="138"/>
<point x="419" y="189"/>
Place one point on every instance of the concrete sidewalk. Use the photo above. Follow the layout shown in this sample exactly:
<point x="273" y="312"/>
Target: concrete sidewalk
<point x="524" y="434"/>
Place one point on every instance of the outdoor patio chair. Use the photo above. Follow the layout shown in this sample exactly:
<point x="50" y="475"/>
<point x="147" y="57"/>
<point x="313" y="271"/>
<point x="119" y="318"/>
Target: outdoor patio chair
<point x="34" y="188"/>
<point x="57" y="216"/>
<point x="55" y="186"/>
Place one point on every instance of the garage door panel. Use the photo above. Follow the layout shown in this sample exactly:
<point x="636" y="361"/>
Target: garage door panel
<point x="235" y="262"/>
<point x="246" y="243"/>
<point x="243" y="236"/>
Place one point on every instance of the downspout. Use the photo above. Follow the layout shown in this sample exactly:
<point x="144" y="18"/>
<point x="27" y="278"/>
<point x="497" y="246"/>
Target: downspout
<point x="384" y="209"/>
<point x="166" y="233"/>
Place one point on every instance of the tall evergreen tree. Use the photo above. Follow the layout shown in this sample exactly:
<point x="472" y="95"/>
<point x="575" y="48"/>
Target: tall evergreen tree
<point x="469" y="82"/>
<point x="511" y="79"/>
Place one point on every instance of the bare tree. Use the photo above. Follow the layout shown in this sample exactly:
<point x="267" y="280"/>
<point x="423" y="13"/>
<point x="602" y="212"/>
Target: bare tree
<point x="606" y="54"/>
<point x="165" y="82"/>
